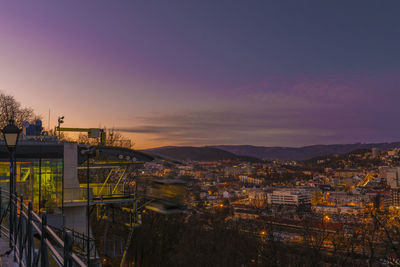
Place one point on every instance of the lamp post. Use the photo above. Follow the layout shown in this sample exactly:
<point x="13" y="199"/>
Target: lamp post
<point x="88" y="151"/>
<point x="11" y="134"/>
<point x="60" y="120"/>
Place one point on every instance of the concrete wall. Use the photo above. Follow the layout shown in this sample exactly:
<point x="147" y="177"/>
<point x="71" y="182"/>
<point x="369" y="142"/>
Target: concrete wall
<point x="75" y="217"/>
<point x="70" y="169"/>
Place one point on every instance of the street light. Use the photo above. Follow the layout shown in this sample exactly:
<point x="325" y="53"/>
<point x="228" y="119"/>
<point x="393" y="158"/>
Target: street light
<point x="60" y="120"/>
<point x="88" y="151"/>
<point x="11" y="134"/>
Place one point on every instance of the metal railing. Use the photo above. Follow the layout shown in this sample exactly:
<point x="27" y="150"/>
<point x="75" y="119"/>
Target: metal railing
<point x="96" y="191"/>
<point x="77" y="194"/>
<point x="25" y="223"/>
<point x="79" y="242"/>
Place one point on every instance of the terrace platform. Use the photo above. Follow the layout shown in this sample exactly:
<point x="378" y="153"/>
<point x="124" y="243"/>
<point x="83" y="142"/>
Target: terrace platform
<point x="6" y="260"/>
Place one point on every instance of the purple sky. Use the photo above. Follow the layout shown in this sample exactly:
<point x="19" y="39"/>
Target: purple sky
<point x="287" y="73"/>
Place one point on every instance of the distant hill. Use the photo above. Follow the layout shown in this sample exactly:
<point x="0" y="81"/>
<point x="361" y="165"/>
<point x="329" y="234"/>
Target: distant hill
<point x="301" y="153"/>
<point x="251" y="153"/>
<point x="195" y="153"/>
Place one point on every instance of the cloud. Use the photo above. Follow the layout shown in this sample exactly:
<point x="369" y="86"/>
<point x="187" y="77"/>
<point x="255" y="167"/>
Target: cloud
<point x="218" y="127"/>
<point x="292" y="112"/>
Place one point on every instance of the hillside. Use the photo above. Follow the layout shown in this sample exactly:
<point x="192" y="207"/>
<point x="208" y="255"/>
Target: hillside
<point x="301" y="153"/>
<point x="195" y="153"/>
<point x="247" y="152"/>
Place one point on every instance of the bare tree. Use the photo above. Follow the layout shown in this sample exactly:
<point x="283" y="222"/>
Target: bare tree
<point x="115" y="138"/>
<point x="11" y="109"/>
<point x="83" y="138"/>
<point x="344" y="247"/>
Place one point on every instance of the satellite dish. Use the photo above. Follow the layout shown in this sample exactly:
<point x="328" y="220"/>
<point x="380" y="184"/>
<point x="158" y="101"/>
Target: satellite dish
<point x="121" y="156"/>
<point x="127" y="157"/>
<point x="25" y="124"/>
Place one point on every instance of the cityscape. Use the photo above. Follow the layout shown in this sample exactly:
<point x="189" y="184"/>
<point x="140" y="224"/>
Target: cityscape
<point x="199" y="133"/>
<point x="334" y="209"/>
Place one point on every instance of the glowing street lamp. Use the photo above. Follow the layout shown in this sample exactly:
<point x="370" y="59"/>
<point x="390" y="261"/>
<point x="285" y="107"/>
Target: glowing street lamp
<point x="11" y="134"/>
<point x="88" y="151"/>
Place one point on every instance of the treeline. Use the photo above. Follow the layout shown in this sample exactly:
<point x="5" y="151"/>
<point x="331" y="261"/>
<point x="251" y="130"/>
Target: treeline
<point x="211" y="238"/>
<point x="11" y="109"/>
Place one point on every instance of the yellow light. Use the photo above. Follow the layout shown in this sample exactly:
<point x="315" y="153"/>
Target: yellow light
<point x="327" y="218"/>
<point x="263" y="232"/>
<point x="221" y="205"/>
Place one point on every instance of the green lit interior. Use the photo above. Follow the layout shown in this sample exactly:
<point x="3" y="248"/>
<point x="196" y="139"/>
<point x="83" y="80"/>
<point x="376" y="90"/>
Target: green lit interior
<point x="39" y="181"/>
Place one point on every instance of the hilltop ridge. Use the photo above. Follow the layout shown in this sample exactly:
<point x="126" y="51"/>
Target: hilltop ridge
<point x="220" y="152"/>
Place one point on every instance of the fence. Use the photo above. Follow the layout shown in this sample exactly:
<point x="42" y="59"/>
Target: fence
<point x="96" y="191"/>
<point x="23" y="224"/>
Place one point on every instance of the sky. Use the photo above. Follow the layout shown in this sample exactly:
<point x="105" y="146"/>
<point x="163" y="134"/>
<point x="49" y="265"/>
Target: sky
<point x="268" y="73"/>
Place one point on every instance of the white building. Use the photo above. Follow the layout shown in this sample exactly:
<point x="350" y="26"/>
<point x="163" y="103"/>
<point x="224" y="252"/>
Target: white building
<point x="289" y="196"/>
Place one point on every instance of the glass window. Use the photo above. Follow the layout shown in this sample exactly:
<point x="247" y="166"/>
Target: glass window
<point x="38" y="180"/>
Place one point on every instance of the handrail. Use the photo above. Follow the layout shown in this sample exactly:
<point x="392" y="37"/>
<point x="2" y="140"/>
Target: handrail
<point x="119" y="180"/>
<point x="79" y="193"/>
<point x="24" y="224"/>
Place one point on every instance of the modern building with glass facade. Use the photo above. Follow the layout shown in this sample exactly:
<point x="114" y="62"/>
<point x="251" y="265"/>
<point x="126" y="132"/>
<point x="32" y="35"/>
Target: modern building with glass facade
<point x="46" y="172"/>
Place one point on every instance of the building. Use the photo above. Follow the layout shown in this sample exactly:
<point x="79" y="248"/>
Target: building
<point x="253" y="180"/>
<point x="257" y="198"/>
<point x="358" y="199"/>
<point x="47" y="173"/>
<point x="245" y="214"/>
<point x="243" y="178"/>
<point x="288" y="196"/>
<point x="346" y="173"/>
<point x="392" y="177"/>
<point x="323" y="209"/>
<point x="394" y="152"/>
<point x="250" y="179"/>
<point x="374" y="152"/>
<point x="395" y="197"/>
